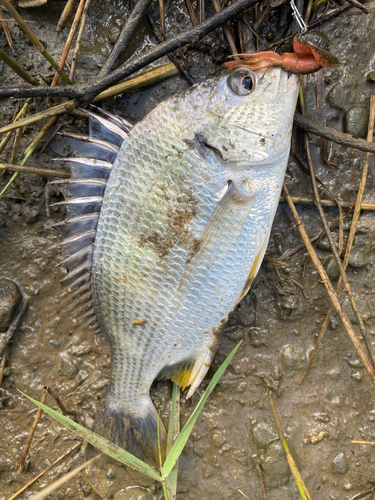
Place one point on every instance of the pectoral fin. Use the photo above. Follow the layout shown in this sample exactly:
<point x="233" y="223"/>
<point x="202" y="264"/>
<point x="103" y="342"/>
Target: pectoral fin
<point x="217" y="237"/>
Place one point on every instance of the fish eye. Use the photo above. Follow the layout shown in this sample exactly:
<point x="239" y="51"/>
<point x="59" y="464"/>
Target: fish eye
<point x="241" y="82"/>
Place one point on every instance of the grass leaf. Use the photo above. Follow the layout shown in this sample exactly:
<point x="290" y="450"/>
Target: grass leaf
<point x="173" y="432"/>
<point x="99" y="442"/>
<point x="180" y="442"/>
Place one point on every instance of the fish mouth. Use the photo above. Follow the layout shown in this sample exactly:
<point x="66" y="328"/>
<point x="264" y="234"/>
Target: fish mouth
<point x="288" y="82"/>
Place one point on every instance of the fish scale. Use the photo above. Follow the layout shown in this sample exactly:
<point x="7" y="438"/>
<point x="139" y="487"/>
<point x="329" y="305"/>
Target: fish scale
<point x="184" y="223"/>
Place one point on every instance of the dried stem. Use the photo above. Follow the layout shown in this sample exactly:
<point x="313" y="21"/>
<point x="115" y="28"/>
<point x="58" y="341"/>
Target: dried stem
<point x="55" y="394"/>
<point x="190" y="8"/>
<point x="331" y="292"/>
<point x="78" y="41"/>
<point x="333" y="135"/>
<point x="303" y="200"/>
<point x="68" y="9"/>
<point x="357" y="210"/>
<point x="226" y="29"/>
<point x="32" y="481"/>
<point x="7" y="34"/>
<point x="162" y="17"/>
<point x="33" y="170"/>
<point x="33" y="38"/>
<point x="126" y="36"/>
<point x="32" y="430"/>
<point x="17" y="139"/>
<point x="360" y="6"/>
<point x="17" y="68"/>
<point x="89" y="92"/>
<point x="6" y="139"/>
<point x="151" y="77"/>
<point x="68" y="44"/>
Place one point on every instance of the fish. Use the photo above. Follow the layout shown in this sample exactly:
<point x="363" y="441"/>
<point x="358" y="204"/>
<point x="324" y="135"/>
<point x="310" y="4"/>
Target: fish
<point x="168" y="222"/>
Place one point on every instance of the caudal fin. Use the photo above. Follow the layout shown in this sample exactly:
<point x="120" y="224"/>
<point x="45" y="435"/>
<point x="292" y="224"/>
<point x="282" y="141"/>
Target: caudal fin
<point x="136" y="433"/>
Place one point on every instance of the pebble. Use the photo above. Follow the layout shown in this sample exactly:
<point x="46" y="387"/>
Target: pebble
<point x="331" y="268"/>
<point x="68" y="368"/>
<point x="31" y="213"/>
<point x="236" y="333"/>
<point x="274" y="464"/>
<point x="264" y="433"/>
<point x="371" y="77"/>
<point x="339" y="464"/>
<point x="10" y="300"/>
<point x="136" y="493"/>
<point x="339" y="97"/>
<point x="355" y="121"/>
<point x="359" y="255"/>
<point x="292" y="358"/>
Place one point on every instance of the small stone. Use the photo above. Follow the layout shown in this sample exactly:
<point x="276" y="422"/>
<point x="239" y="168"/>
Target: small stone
<point x="292" y="358"/>
<point x="339" y="97"/>
<point x="339" y="464"/>
<point x="31" y="214"/>
<point x="274" y="464"/>
<point x="134" y="493"/>
<point x="212" y="70"/>
<point x="10" y="300"/>
<point x="356" y="375"/>
<point x="331" y="268"/>
<point x="236" y="333"/>
<point x="68" y="368"/>
<point x="264" y="433"/>
<point x="315" y="439"/>
<point x="4" y="207"/>
<point x="371" y="77"/>
<point x="111" y="474"/>
<point x="355" y="121"/>
<point x="113" y="35"/>
<point x="359" y="255"/>
<point x="255" y="337"/>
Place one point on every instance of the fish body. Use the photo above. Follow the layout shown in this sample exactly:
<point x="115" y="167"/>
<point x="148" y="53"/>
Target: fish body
<point x="184" y="224"/>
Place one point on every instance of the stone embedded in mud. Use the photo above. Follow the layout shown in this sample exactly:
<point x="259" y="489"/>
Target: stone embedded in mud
<point x="363" y="306"/>
<point x="68" y="368"/>
<point x="371" y="77"/>
<point x="339" y="97"/>
<point x="264" y="433"/>
<point x="292" y="358"/>
<point x="136" y="493"/>
<point x="339" y="464"/>
<point x="10" y="300"/>
<point x="331" y="268"/>
<point x="236" y="333"/>
<point x="359" y="255"/>
<point x="31" y="213"/>
<point x="355" y="121"/>
<point x="274" y="464"/>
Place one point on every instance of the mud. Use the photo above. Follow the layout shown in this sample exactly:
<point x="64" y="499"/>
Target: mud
<point x="278" y="320"/>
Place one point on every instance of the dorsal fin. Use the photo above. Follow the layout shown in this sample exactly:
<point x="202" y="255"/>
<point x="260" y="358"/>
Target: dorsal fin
<point x="83" y="194"/>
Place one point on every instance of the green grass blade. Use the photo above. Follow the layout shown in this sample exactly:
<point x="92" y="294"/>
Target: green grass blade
<point x="99" y="442"/>
<point x="173" y="432"/>
<point x="180" y="442"/>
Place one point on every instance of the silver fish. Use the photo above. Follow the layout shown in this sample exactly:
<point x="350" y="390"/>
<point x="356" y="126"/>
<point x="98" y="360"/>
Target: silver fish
<point x="183" y="227"/>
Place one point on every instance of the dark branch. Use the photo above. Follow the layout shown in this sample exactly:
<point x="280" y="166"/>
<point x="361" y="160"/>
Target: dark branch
<point x="89" y="92"/>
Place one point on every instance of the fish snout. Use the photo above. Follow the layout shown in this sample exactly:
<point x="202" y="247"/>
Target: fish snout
<point x="288" y="82"/>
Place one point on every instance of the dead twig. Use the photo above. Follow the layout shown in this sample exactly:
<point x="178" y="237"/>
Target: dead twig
<point x="332" y="135"/>
<point x="154" y="76"/>
<point x="6" y="139"/>
<point x="190" y="8"/>
<point x="7" y="34"/>
<point x="357" y="209"/>
<point x="126" y="36"/>
<point x="68" y="44"/>
<point x="89" y="92"/>
<point x="78" y="41"/>
<point x="32" y="481"/>
<point x="34" y="170"/>
<point x="331" y="292"/>
<point x="33" y="38"/>
<point x="17" y="68"/>
<point x="55" y="394"/>
<point x="17" y="138"/>
<point x="68" y="9"/>
<point x="304" y="200"/>
<point x="162" y="17"/>
<point x="359" y="6"/>
<point x="226" y="29"/>
<point x="293" y="467"/>
<point x="32" y="430"/>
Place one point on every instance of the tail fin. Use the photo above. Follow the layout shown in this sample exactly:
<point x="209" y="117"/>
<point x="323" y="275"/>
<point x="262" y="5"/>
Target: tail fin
<point x="136" y="433"/>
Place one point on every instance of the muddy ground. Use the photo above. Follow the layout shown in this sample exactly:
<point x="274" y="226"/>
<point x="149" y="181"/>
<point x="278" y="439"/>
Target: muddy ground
<point x="279" y="319"/>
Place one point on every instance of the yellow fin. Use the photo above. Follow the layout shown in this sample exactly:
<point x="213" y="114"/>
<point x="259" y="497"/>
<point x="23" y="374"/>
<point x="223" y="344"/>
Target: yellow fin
<point x="180" y="373"/>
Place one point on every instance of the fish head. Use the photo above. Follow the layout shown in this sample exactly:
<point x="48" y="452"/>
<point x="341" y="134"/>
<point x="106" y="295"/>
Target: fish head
<point x="248" y="116"/>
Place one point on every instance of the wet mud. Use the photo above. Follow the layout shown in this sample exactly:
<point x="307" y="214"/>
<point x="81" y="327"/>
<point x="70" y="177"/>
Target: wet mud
<point x="278" y="320"/>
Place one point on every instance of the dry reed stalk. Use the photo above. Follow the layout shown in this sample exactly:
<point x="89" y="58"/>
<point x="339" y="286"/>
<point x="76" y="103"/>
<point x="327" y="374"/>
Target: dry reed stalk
<point x="78" y="41"/>
<point x="32" y="430"/>
<point x="226" y="29"/>
<point x="7" y="34"/>
<point x="331" y="292"/>
<point x="17" y="68"/>
<point x="68" y="9"/>
<point x="68" y="44"/>
<point x="32" y="170"/>
<point x="17" y="138"/>
<point x="357" y="210"/>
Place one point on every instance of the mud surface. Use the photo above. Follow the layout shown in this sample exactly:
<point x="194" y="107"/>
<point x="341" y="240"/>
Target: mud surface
<point x="278" y="320"/>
